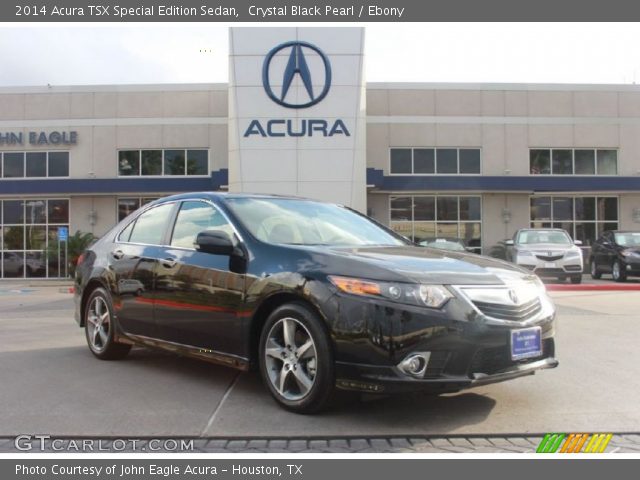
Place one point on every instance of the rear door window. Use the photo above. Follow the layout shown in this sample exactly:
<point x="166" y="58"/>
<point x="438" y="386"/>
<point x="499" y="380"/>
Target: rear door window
<point x="150" y="227"/>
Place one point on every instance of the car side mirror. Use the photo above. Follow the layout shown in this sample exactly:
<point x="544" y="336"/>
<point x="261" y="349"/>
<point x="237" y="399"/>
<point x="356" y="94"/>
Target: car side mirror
<point x="508" y="243"/>
<point x="577" y="242"/>
<point x="216" y="242"/>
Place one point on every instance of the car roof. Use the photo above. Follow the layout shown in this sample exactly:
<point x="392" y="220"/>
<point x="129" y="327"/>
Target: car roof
<point x="229" y="195"/>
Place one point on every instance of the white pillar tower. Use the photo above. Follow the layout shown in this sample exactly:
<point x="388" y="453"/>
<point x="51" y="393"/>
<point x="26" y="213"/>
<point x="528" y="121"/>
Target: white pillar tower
<point x="297" y="113"/>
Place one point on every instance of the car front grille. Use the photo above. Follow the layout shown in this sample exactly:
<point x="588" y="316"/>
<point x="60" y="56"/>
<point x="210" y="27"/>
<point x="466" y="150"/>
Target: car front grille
<point x="549" y="258"/>
<point x="515" y="313"/>
<point x="493" y="360"/>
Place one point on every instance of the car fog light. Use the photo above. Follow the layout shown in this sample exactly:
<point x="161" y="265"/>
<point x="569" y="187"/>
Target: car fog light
<point x="415" y="364"/>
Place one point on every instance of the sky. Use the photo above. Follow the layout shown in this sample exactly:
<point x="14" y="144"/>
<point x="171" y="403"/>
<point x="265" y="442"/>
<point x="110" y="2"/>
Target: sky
<point x="416" y="52"/>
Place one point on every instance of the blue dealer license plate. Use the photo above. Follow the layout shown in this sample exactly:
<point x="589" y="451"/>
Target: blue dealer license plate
<point x="526" y="343"/>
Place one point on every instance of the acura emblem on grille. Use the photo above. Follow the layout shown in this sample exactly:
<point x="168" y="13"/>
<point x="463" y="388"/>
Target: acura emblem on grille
<point x="549" y="254"/>
<point x="513" y="296"/>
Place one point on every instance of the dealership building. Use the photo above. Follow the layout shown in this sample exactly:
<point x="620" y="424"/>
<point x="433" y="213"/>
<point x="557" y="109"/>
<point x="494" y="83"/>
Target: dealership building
<point x="297" y="117"/>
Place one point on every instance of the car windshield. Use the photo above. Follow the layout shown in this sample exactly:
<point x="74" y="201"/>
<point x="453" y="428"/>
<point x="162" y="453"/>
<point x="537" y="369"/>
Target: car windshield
<point x="628" y="239"/>
<point x="443" y="244"/>
<point x="543" y="236"/>
<point x="305" y="222"/>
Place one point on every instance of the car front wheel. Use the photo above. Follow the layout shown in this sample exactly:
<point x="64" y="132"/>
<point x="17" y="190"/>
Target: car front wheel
<point x="100" y="329"/>
<point x="296" y="361"/>
<point x="617" y="271"/>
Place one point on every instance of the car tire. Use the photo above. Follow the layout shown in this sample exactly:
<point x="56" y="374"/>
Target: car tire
<point x="298" y="374"/>
<point x="595" y="273"/>
<point x="617" y="272"/>
<point x="99" y="327"/>
<point x="576" y="279"/>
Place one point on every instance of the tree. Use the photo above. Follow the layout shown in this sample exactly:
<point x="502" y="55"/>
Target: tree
<point x="76" y="244"/>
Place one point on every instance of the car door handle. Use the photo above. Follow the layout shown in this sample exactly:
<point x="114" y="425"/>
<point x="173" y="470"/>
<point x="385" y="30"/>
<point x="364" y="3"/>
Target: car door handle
<point x="118" y="254"/>
<point x="169" y="262"/>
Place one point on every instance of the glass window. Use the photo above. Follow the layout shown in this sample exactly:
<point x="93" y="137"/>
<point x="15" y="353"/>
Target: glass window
<point x="401" y="208"/>
<point x="424" y="160"/>
<point x="126" y="206"/>
<point x="13" y="264"/>
<point x="36" y="237"/>
<point x="174" y="163"/>
<point x="12" y="212"/>
<point x="585" y="208"/>
<point x="196" y="217"/>
<point x="35" y="211"/>
<point x="540" y="162"/>
<point x="126" y="233"/>
<point x="13" y="238"/>
<point x="470" y="208"/>
<point x="402" y="228"/>
<point x="58" y="211"/>
<point x="541" y="208"/>
<point x="197" y="162"/>
<point x="58" y="164"/>
<point x="36" y="164"/>
<point x="585" y="232"/>
<point x="562" y="208"/>
<point x="447" y="160"/>
<point x="13" y="165"/>
<point x="424" y="208"/>
<point x="585" y="162"/>
<point x="423" y="230"/>
<point x="401" y="160"/>
<point x="608" y="208"/>
<point x="151" y="162"/>
<point x="607" y="162"/>
<point x="447" y="230"/>
<point x="447" y="208"/>
<point x="128" y="162"/>
<point x="150" y="227"/>
<point x="469" y="160"/>
<point x="562" y="162"/>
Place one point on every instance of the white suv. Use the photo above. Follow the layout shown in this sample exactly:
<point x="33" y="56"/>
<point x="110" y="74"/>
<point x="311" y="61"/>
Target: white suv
<point x="548" y="252"/>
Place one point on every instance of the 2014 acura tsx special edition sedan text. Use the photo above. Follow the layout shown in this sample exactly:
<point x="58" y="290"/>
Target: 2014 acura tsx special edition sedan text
<point x="316" y="295"/>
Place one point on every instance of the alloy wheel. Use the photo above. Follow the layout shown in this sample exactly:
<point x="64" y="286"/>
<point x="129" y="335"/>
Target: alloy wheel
<point x="99" y="324"/>
<point x="616" y="270"/>
<point x="291" y="359"/>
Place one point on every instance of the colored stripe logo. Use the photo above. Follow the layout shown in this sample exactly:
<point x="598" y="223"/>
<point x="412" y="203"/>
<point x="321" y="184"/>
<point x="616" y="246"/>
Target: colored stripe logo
<point x="574" y="443"/>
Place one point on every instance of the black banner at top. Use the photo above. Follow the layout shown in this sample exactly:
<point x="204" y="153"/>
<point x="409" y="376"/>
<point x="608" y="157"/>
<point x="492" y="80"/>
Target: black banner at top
<point x="316" y="10"/>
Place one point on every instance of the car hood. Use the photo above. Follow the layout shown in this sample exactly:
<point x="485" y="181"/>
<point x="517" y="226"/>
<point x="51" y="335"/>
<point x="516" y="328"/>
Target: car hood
<point x="425" y="265"/>
<point x="545" y="247"/>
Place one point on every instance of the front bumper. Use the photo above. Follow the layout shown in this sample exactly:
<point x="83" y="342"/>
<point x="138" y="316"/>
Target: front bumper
<point x="551" y="268"/>
<point x="466" y="348"/>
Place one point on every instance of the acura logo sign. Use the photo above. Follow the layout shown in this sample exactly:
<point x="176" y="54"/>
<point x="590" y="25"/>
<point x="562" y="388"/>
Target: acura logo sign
<point x="300" y="55"/>
<point x="513" y="296"/>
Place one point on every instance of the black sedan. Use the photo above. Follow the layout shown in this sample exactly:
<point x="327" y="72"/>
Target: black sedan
<point x="616" y="252"/>
<point x="315" y="295"/>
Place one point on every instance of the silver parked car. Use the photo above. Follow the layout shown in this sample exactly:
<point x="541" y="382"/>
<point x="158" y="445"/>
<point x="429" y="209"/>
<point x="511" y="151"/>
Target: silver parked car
<point x="548" y="252"/>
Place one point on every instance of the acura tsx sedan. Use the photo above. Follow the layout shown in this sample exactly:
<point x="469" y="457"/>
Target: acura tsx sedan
<point x="314" y="295"/>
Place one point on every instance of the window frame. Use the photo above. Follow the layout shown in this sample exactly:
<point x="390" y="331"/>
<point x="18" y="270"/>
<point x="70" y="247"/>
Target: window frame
<point x="435" y="160"/>
<point x="163" y="174"/>
<point x="167" y="229"/>
<point x="24" y="164"/>
<point x="573" y="162"/>
<point x="177" y="214"/>
<point x="436" y="221"/>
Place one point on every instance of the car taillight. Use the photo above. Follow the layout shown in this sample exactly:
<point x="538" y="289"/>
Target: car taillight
<point x="80" y="259"/>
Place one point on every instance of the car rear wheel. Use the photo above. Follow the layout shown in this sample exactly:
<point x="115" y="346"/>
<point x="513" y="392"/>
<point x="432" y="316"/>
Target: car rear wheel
<point x="296" y="361"/>
<point x="618" y="273"/>
<point x="595" y="273"/>
<point x="100" y="329"/>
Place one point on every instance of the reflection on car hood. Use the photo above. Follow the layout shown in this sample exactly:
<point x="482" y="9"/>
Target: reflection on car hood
<point x="430" y="265"/>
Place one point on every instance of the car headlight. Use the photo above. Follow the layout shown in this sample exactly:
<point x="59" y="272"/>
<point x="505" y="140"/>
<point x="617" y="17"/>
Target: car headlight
<point x="432" y="296"/>
<point x="629" y="253"/>
<point x="573" y="253"/>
